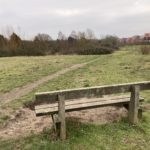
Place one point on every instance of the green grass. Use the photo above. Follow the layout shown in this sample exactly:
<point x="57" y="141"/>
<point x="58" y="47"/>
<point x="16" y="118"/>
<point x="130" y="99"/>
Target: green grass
<point x="127" y="65"/>
<point x="18" y="71"/>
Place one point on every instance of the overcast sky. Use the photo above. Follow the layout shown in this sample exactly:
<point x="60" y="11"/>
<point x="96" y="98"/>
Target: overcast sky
<point x="117" y="17"/>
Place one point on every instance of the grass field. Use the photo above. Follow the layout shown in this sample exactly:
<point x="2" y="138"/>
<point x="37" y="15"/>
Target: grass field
<point x="127" y="65"/>
<point x="18" y="71"/>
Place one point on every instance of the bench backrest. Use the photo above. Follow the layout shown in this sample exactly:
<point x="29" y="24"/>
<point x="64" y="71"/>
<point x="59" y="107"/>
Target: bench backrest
<point x="90" y="92"/>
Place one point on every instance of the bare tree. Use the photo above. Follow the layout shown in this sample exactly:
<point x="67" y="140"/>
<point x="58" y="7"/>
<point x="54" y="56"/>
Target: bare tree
<point x="7" y="31"/>
<point x="3" y="41"/>
<point x="81" y="35"/>
<point x="74" y="35"/>
<point x="61" y="36"/>
<point x="90" y="34"/>
<point x="43" y="37"/>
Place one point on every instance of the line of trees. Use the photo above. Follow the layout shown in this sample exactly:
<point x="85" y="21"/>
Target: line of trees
<point x="84" y="43"/>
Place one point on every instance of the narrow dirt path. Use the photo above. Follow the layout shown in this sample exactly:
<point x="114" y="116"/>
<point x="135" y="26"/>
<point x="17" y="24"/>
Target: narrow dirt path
<point x="21" y="91"/>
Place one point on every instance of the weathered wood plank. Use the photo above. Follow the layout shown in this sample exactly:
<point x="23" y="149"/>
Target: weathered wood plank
<point x="82" y="100"/>
<point x="134" y="105"/>
<point x="61" y="115"/>
<point x="98" y="91"/>
<point x="47" y="109"/>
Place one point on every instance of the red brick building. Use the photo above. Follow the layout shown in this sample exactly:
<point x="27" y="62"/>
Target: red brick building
<point x="137" y="39"/>
<point x="147" y="37"/>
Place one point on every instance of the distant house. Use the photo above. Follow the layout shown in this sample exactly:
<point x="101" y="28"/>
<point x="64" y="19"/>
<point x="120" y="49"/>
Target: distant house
<point x="137" y="39"/>
<point x="123" y="40"/>
<point x="147" y="37"/>
<point x="130" y="40"/>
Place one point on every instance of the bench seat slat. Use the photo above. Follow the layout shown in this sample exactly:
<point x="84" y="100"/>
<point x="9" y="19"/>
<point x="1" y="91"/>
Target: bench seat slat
<point x="80" y="101"/>
<point x="82" y="104"/>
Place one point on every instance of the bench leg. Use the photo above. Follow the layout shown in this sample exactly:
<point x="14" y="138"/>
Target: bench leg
<point x="61" y="115"/>
<point x="140" y="113"/>
<point x="134" y="105"/>
<point x="59" y="121"/>
<point x="56" y="124"/>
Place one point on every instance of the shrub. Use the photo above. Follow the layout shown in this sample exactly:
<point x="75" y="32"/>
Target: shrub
<point x="110" y="41"/>
<point x="145" y="50"/>
<point x="44" y="45"/>
<point x="96" y="51"/>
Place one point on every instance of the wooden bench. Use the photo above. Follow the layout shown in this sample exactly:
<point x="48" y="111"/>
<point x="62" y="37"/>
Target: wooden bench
<point x="56" y="103"/>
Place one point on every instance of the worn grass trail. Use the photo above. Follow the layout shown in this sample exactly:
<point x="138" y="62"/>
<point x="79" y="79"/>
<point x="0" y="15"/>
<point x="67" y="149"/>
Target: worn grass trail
<point x="21" y="91"/>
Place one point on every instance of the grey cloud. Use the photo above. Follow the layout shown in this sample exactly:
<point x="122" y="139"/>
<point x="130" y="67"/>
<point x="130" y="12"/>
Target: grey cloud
<point x="120" y="17"/>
